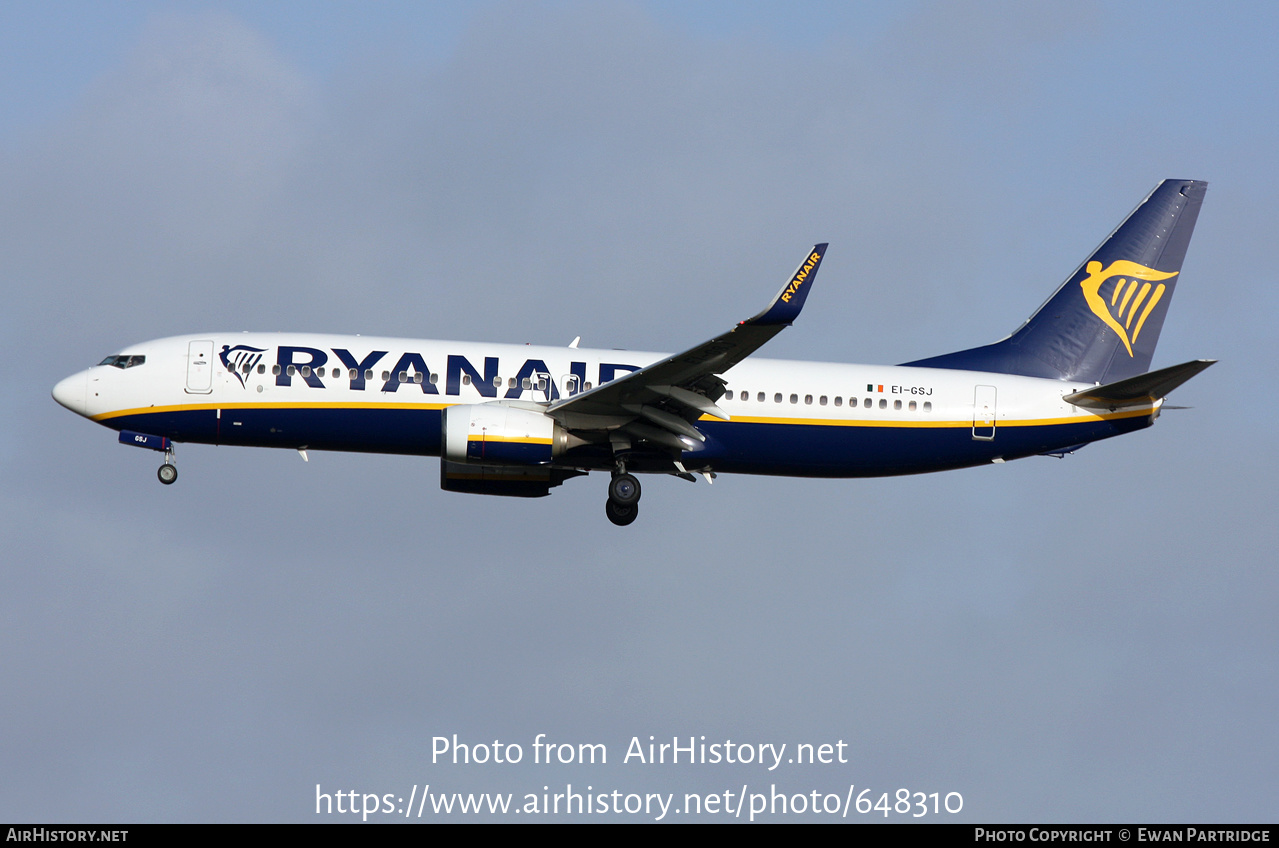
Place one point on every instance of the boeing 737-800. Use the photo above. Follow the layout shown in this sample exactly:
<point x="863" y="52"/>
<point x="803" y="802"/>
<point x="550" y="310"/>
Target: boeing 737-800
<point x="519" y="420"/>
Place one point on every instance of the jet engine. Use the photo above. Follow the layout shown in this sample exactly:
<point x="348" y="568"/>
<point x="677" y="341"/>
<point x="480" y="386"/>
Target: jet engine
<point x="498" y="434"/>
<point x="497" y="449"/>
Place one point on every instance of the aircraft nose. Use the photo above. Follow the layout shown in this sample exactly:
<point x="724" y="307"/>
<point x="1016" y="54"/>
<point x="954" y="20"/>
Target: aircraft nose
<point x="71" y="393"/>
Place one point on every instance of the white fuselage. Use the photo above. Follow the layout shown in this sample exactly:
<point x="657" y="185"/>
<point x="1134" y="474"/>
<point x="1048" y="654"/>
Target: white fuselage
<point x="363" y="393"/>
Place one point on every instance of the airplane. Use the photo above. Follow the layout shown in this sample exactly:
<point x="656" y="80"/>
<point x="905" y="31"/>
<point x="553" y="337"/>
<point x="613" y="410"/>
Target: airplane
<point x="519" y="420"/>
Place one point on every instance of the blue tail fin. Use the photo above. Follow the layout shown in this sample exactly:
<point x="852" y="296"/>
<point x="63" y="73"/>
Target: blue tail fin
<point x="1103" y="323"/>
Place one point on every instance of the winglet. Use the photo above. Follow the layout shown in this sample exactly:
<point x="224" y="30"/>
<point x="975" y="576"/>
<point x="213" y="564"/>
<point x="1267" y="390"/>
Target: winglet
<point x="790" y="300"/>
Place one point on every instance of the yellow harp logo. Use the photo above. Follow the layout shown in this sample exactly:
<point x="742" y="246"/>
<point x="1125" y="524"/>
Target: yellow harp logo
<point x="1129" y="299"/>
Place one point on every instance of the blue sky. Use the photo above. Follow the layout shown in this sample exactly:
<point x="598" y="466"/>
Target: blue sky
<point x="1088" y="639"/>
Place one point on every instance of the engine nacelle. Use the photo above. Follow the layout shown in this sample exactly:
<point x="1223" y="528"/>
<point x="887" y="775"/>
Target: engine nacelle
<point x="496" y="434"/>
<point x="509" y="480"/>
<point x="496" y="449"/>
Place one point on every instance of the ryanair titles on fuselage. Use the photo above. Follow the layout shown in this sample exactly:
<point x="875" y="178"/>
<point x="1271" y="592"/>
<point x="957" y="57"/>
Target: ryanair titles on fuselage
<point x="304" y="364"/>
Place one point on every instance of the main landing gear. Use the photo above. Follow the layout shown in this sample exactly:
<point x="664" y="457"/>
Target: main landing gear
<point x="622" y="506"/>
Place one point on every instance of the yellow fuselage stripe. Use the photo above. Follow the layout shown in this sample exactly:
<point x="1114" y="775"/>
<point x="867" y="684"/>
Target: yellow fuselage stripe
<point x="1081" y="418"/>
<point x="196" y="407"/>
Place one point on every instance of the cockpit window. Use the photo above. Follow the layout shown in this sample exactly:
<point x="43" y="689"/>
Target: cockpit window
<point x="124" y="360"/>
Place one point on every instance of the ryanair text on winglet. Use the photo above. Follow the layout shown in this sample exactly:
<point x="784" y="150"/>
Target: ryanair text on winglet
<point x="800" y="276"/>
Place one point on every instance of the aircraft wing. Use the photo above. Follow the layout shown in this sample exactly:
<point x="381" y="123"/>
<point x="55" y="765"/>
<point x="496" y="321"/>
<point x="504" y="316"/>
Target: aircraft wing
<point x="669" y="395"/>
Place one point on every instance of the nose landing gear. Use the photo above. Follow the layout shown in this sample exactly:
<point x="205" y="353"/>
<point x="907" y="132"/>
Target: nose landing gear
<point x="168" y="472"/>
<point x="622" y="506"/>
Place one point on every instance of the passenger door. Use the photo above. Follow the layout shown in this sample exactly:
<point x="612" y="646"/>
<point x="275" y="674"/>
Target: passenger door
<point x="200" y="368"/>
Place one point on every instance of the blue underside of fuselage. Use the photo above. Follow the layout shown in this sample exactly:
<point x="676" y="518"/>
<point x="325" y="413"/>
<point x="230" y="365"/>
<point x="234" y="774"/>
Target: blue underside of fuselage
<point x="403" y="431"/>
<point x="797" y="450"/>
<point x="824" y="451"/>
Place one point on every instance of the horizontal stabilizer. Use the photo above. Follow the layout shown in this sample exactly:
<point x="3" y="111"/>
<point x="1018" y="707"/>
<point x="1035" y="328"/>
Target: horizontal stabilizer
<point x="1141" y="390"/>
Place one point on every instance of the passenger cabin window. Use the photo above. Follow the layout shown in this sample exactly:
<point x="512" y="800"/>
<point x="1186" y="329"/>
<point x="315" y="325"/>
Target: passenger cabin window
<point x="760" y="397"/>
<point x="839" y="401"/>
<point x="866" y="403"/>
<point x="728" y="395"/>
